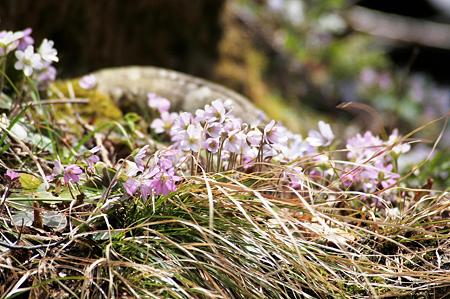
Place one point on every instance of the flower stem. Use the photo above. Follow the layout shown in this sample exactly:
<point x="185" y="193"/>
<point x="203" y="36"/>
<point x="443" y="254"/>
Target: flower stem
<point x="2" y="74"/>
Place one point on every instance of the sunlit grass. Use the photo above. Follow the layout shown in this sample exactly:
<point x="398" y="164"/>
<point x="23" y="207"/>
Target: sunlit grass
<point x="264" y="243"/>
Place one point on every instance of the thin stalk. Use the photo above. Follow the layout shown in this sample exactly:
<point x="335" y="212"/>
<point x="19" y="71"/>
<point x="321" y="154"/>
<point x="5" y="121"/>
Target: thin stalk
<point x="3" y="70"/>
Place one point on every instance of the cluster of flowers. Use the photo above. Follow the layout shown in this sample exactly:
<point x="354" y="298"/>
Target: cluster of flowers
<point x="151" y="175"/>
<point x="374" y="161"/>
<point x="219" y="141"/>
<point x="230" y="142"/>
<point x="213" y="139"/>
<point x="72" y="173"/>
<point x="32" y="63"/>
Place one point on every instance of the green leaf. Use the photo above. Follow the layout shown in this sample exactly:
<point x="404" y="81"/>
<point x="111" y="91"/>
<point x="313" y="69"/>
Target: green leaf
<point x="29" y="182"/>
<point x="48" y="197"/>
<point x="40" y="141"/>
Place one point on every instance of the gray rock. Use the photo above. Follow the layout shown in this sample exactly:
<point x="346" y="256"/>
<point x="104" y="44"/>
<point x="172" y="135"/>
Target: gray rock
<point x="131" y="84"/>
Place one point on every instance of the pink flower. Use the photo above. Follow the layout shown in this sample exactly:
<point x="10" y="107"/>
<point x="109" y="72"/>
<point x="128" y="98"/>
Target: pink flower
<point x="235" y="142"/>
<point x="180" y="125"/>
<point x="192" y="140"/>
<point x="212" y="145"/>
<point x="140" y="156"/>
<point x="164" y="163"/>
<point x="274" y="133"/>
<point x="47" y="75"/>
<point x="88" y="82"/>
<point x="351" y="177"/>
<point x="293" y="176"/>
<point x="131" y="186"/>
<point x="11" y="174"/>
<point x="213" y="130"/>
<point x="168" y="157"/>
<point x="57" y="170"/>
<point x="368" y="77"/>
<point x="254" y="137"/>
<point x="72" y="173"/>
<point x="165" y="182"/>
<point x="146" y="189"/>
<point x="92" y="160"/>
<point x="164" y="123"/>
<point x="215" y="112"/>
<point x="364" y="147"/>
<point x="249" y="157"/>
<point x="157" y="102"/>
<point x="232" y="124"/>
<point x="26" y="40"/>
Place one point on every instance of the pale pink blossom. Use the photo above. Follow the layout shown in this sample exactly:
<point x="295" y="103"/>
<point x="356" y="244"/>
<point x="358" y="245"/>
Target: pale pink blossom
<point x="164" y="182"/>
<point x="157" y="102"/>
<point x="88" y="82"/>
<point x="164" y="123"/>
<point x="274" y="133"/>
<point x="192" y="140"/>
<point x="212" y="145"/>
<point x="11" y="174"/>
<point x="323" y="137"/>
<point x="72" y="173"/>
<point x="131" y="186"/>
<point x="213" y="130"/>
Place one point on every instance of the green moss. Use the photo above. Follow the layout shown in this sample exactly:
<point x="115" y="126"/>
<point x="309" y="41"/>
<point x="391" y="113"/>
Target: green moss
<point x="100" y="109"/>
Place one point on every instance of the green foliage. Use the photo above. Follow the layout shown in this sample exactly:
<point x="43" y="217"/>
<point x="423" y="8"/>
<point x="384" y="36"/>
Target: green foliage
<point x="29" y="181"/>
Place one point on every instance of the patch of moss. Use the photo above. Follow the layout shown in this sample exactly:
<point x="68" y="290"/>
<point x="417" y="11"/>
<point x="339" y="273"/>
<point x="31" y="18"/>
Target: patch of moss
<point x="100" y="109"/>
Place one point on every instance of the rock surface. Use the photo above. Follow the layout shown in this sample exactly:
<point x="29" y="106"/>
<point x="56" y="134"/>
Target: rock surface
<point x="128" y="86"/>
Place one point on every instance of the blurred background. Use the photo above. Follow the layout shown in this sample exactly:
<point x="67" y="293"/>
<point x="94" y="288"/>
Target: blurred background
<point x="371" y="64"/>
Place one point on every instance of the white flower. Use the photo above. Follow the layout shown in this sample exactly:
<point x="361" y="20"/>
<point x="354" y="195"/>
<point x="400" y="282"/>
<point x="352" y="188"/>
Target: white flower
<point x="395" y="141"/>
<point x="28" y="61"/>
<point x="4" y="121"/>
<point x="200" y="115"/>
<point x="331" y="23"/>
<point x="323" y="137"/>
<point x="180" y="125"/>
<point x="9" y="41"/>
<point x="295" y="147"/>
<point x="19" y="131"/>
<point x="393" y="213"/>
<point x="47" y="52"/>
